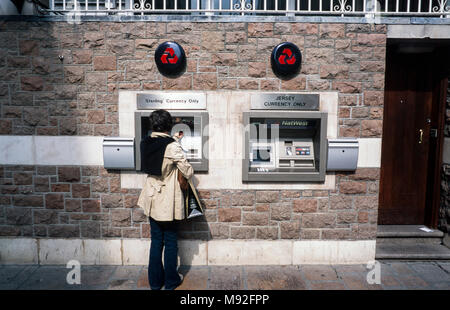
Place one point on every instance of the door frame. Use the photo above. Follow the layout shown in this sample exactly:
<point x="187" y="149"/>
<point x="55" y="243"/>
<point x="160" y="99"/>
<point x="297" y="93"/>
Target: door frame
<point x="433" y="196"/>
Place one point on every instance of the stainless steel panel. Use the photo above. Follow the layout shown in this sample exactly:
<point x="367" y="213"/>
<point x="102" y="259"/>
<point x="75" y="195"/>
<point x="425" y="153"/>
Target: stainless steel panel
<point x="342" y="154"/>
<point x="118" y="153"/>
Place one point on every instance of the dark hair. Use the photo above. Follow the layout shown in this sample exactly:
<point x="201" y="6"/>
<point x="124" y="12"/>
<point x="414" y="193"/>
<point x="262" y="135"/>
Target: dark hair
<point x="161" y="121"/>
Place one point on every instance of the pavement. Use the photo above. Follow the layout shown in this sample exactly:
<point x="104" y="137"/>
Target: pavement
<point x="393" y="275"/>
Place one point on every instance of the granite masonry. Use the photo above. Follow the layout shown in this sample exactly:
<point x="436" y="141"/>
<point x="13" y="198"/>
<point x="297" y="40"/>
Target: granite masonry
<point x="444" y="211"/>
<point x="87" y="202"/>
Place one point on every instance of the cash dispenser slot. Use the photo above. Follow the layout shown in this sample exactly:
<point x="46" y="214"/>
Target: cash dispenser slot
<point x="304" y="163"/>
<point x="284" y="163"/>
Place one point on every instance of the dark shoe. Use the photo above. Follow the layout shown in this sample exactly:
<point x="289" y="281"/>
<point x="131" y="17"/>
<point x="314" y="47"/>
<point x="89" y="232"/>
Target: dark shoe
<point x="179" y="283"/>
<point x="181" y="280"/>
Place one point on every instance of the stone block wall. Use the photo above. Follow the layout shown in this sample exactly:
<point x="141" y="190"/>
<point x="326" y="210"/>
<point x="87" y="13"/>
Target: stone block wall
<point x="444" y="211"/>
<point x="88" y="202"/>
<point x="64" y="79"/>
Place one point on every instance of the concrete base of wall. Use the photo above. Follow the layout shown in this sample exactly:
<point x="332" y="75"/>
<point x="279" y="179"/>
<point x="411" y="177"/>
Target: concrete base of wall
<point x="191" y="252"/>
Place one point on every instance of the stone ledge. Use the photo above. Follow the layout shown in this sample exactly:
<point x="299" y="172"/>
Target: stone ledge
<point x="412" y="252"/>
<point x="191" y="252"/>
<point x="407" y="231"/>
<point x="235" y="18"/>
<point x="429" y="31"/>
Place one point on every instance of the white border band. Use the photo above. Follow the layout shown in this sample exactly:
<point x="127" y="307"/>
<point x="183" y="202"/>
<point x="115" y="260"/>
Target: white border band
<point x="191" y="252"/>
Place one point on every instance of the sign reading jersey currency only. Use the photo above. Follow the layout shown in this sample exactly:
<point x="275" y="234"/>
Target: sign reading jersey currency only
<point x="284" y="101"/>
<point x="185" y="101"/>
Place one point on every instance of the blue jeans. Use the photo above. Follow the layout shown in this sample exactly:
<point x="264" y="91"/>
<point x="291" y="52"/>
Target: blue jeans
<point x="163" y="234"/>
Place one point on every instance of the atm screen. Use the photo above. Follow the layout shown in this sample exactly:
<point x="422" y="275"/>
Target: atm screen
<point x="261" y="155"/>
<point x="188" y="121"/>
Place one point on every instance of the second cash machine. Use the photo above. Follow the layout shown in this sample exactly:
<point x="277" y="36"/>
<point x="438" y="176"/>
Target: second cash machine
<point x="285" y="139"/>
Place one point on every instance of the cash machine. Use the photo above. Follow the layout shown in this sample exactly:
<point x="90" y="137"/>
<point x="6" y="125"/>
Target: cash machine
<point x="193" y="142"/>
<point x="192" y="123"/>
<point x="282" y="145"/>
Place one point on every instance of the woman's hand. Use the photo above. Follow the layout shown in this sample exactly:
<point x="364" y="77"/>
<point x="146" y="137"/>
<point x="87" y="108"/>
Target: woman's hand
<point x="178" y="135"/>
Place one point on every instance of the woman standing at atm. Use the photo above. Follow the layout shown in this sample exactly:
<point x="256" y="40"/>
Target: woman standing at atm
<point x="162" y="198"/>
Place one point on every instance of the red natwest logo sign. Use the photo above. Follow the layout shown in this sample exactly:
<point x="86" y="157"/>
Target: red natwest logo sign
<point x="169" y="52"/>
<point x="170" y="59"/>
<point x="286" y="60"/>
<point x="287" y="57"/>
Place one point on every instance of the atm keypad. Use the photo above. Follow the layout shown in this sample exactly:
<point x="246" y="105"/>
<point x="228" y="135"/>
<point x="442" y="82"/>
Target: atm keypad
<point x="302" y="150"/>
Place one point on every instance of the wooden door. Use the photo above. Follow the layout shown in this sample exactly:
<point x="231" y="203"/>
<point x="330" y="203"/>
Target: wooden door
<point x="411" y="86"/>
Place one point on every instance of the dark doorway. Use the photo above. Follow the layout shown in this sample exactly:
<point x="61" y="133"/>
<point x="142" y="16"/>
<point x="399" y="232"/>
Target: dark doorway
<point x="413" y="123"/>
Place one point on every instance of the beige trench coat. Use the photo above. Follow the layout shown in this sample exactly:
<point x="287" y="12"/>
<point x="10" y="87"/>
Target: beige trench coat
<point x="161" y="196"/>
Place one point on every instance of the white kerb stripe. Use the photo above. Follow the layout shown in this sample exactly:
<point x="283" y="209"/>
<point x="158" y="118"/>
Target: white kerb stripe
<point x="191" y="252"/>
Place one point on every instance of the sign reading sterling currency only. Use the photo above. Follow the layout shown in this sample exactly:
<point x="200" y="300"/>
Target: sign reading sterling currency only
<point x="177" y="101"/>
<point x="284" y="101"/>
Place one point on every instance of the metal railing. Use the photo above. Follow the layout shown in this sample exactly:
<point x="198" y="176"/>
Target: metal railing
<point x="419" y="8"/>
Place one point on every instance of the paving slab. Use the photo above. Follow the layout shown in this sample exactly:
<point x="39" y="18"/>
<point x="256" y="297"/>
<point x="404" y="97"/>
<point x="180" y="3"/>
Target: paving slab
<point x="8" y="273"/>
<point x="440" y="286"/>
<point x="431" y="272"/>
<point x="122" y="284"/>
<point x="445" y="266"/>
<point x="225" y="278"/>
<point x="396" y="268"/>
<point x="48" y="278"/>
<point x="12" y="276"/>
<point x="274" y="278"/>
<point x="126" y="272"/>
<point x="319" y="273"/>
<point x="327" y="286"/>
<point x="97" y="277"/>
<point x="142" y="282"/>
<point x="390" y="282"/>
<point x="434" y="275"/>
<point x="343" y="269"/>
<point x="355" y="281"/>
<point x="195" y="278"/>
<point x="413" y="282"/>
